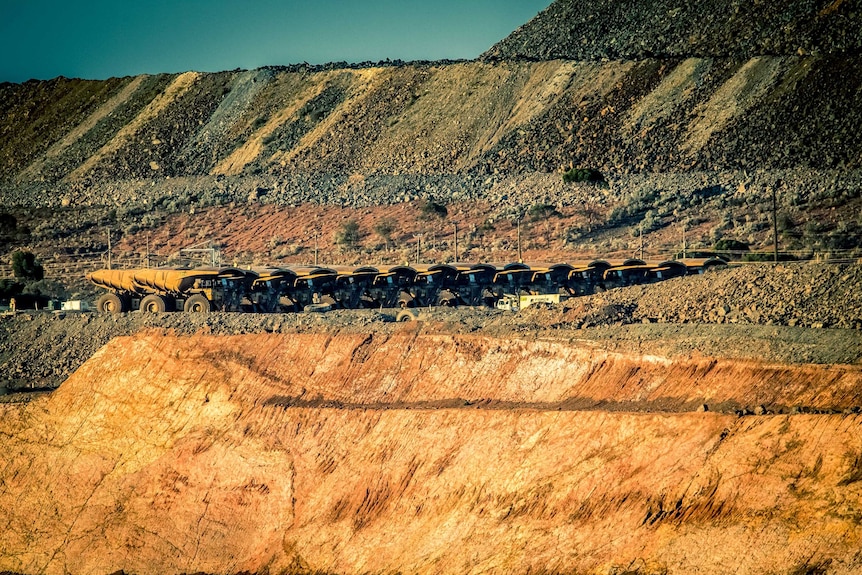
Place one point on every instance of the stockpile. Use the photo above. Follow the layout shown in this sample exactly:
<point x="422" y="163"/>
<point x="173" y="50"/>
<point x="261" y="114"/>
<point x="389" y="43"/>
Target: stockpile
<point x="807" y="295"/>
<point x="580" y="30"/>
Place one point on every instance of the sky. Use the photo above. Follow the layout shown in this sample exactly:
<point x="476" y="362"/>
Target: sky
<point x="98" y="39"/>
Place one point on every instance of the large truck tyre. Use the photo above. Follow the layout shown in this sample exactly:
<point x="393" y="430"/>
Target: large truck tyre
<point x="111" y="303"/>
<point x="154" y="304"/>
<point x="197" y="304"/>
<point x="409" y="315"/>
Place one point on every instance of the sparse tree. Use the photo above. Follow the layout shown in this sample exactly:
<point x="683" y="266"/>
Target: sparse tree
<point x="539" y="212"/>
<point x="430" y="209"/>
<point x="348" y="234"/>
<point x="385" y="228"/>
<point x="25" y="266"/>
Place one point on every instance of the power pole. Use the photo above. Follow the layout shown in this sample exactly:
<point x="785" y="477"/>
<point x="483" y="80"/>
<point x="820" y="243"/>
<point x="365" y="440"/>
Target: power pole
<point x="456" y="241"/>
<point x="641" y="234"/>
<point x="148" y="251"/>
<point x="418" y="248"/>
<point x="774" y="226"/>
<point x="109" y="248"/>
<point x="520" y="255"/>
<point x="316" y="235"/>
<point x="683" y="242"/>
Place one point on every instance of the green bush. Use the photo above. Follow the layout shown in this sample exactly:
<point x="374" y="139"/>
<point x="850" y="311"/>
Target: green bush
<point x="730" y="245"/>
<point x="49" y="289"/>
<point x="10" y="288"/>
<point x="348" y="234"/>
<point x="487" y="227"/>
<point x="583" y="175"/>
<point x="8" y="224"/>
<point x="25" y="266"/>
<point x="385" y="228"/>
<point x="542" y="212"/>
<point x="430" y="209"/>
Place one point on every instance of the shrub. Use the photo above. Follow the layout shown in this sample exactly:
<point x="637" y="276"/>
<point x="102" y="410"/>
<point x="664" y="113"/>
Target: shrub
<point x="583" y="175"/>
<point x="651" y="222"/>
<point x="10" y="288"/>
<point x="348" y="234"/>
<point x="8" y="224"/>
<point x="542" y="212"/>
<point x="46" y="288"/>
<point x="430" y="209"/>
<point x="385" y="228"/>
<point x="730" y="245"/>
<point x="25" y="266"/>
<point x="487" y="227"/>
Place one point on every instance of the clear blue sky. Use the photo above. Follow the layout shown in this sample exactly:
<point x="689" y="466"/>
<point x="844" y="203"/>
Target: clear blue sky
<point x="99" y="39"/>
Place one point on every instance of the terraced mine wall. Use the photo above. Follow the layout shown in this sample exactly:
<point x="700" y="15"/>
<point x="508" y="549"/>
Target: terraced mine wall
<point x="421" y="453"/>
<point x="456" y="130"/>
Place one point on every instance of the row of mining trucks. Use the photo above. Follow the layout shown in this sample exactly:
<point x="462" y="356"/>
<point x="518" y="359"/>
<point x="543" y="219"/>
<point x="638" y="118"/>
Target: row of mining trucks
<point x="316" y="288"/>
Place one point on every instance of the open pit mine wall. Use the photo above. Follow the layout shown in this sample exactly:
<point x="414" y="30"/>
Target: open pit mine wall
<point x="623" y="116"/>
<point x="428" y="454"/>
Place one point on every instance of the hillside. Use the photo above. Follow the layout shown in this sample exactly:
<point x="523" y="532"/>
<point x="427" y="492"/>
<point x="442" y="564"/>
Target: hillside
<point x="508" y="118"/>
<point x="698" y="141"/>
<point x="692" y="133"/>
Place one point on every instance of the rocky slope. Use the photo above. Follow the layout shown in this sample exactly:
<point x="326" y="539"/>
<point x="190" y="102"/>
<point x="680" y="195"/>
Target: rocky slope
<point x="605" y="29"/>
<point x="697" y="141"/>
<point x="687" y="128"/>
<point x="680" y="114"/>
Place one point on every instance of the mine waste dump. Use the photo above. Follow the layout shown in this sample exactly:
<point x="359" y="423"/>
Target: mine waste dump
<point x="419" y="452"/>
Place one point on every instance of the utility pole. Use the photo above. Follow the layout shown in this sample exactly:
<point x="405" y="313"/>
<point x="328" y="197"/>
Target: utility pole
<point x="316" y="235"/>
<point x="520" y="255"/>
<point x="148" y="251"/>
<point x="456" y="241"/>
<point x="109" y="248"/>
<point x="774" y="226"/>
<point x="418" y="248"/>
<point x="683" y="241"/>
<point x="641" y="234"/>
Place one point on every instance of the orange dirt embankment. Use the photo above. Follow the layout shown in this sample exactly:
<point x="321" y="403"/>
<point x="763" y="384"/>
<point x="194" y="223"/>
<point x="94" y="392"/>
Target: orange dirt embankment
<point x="427" y="454"/>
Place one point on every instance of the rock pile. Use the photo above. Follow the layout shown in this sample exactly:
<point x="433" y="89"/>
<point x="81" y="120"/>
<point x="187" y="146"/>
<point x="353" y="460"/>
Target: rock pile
<point x="808" y="295"/>
<point x="581" y="30"/>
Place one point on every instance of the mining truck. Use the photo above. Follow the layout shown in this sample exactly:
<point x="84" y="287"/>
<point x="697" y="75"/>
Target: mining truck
<point x="168" y="289"/>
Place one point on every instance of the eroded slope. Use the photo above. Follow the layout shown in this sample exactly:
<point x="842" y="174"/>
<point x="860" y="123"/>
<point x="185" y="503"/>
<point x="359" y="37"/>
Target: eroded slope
<point x="427" y="454"/>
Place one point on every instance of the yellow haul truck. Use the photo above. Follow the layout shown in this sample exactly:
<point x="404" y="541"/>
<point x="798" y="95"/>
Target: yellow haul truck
<point x="166" y="289"/>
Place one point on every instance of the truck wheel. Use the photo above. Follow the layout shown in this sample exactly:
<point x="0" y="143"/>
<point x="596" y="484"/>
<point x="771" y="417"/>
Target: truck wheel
<point x="407" y="315"/>
<point x="110" y="303"/>
<point x="154" y="304"/>
<point x="197" y="303"/>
